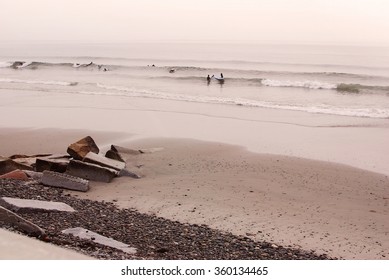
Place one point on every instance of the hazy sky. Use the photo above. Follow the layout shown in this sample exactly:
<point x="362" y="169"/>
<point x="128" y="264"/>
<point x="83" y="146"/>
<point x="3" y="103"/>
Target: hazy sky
<point x="294" y="21"/>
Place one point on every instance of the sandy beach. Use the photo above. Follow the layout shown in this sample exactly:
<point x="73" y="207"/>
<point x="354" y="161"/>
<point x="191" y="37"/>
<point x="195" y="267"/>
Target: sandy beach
<point x="314" y="181"/>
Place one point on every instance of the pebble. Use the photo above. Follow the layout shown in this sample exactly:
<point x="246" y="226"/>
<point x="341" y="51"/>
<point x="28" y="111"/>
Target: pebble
<point x="154" y="237"/>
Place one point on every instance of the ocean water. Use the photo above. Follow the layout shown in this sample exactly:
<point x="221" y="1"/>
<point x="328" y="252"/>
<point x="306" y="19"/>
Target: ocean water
<point x="339" y="80"/>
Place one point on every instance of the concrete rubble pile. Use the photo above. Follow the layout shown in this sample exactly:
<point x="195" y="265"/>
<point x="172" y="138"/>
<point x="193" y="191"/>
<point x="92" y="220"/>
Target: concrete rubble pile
<point x="82" y="163"/>
<point x="73" y="171"/>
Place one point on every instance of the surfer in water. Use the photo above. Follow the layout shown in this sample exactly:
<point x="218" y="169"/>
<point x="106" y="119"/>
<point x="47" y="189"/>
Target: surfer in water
<point x="221" y="75"/>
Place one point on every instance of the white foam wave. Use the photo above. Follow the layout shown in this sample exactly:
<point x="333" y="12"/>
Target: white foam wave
<point x="5" y="64"/>
<point x="300" y="84"/>
<point x="60" y="83"/>
<point x="310" y="108"/>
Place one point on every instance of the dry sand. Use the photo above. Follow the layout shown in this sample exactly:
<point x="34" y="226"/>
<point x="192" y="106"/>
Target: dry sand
<point x="330" y="208"/>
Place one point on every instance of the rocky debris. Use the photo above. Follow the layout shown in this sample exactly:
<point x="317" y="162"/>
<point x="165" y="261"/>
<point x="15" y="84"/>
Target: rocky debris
<point x="84" y="162"/>
<point x="97" y="238"/>
<point x="82" y="147"/>
<point x="16" y="174"/>
<point x="8" y="165"/>
<point x="57" y="165"/>
<point x="8" y="218"/>
<point x="65" y="181"/>
<point x="90" y="171"/>
<point x="31" y="205"/>
<point x="154" y="237"/>
<point x="104" y="162"/>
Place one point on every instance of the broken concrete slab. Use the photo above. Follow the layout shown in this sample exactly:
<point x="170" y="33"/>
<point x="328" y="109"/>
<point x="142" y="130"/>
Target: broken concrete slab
<point x="9" y="218"/>
<point x="114" y="155"/>
<point x="65" y="181"/>
<point x="16" y="175"/>
<point x="121" y="153"/>
<point x="57" y="165"/>
<point x="30" y="205"/>
<point x="103" y="161"/>
<point x="8" y="165"/>
<point x="100" y="239"/>
<point x="127" y="173"/>
<point x="91" y="171"/>
<point x="79" y="149"/>
<point x="37" y="176"/>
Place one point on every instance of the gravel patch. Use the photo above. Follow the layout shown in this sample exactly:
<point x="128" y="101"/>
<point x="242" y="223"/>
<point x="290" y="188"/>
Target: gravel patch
<point x="154" y="237"/>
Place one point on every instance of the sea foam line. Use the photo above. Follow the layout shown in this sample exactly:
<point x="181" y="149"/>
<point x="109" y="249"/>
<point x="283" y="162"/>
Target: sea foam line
<point x="302" y="84"/>
<point x="314" y="108"/>
<point x="60" y="83"/>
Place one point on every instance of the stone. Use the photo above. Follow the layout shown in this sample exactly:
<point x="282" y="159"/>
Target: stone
<point x="30" y="205"/>
<point x="65" y="181"/>
<point x="99" y="239"/>
<point x="57" y="165"/>
<point x="82" y="147"/>
<point x="8" y="218"/>
<point x="91" y="171"/>
<point x="16" y="174"/>
<point x="103" y="161"/>
<point x="8" y="165"/>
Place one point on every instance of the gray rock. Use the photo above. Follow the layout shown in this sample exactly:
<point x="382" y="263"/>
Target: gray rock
<point x="65" y="181"/>
<point x="8" y="218"/>
<point x="91" y="171"/>
<point x="79" y="149"/>
<point x="30" y="205"/>
<point x="97" y="238"/>
<point x="103" y="161"/>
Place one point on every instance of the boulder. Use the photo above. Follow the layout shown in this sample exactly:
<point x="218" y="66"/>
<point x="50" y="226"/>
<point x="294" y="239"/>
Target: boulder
<point x="81" y="148"/>
<point x="64" y="181"/>
<point x="16" y="174"/>
<point x="91" y="171"/>
<point x="103" y="161"/>
<point x="30" y="205"/>
<point x="8" y="218"/>
<point x="99" y="239"/>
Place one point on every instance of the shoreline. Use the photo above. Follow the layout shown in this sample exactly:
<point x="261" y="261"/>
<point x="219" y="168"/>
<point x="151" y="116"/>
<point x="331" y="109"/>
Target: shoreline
<point x="358" y="142"/>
